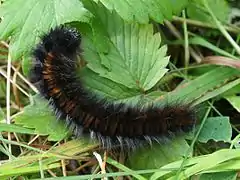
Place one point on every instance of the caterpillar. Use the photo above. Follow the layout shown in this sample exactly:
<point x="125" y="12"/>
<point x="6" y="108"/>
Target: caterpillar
<point x="54" y="74"/>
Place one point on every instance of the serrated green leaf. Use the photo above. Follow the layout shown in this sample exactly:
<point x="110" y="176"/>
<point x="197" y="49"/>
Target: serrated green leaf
<point x="26" y="20"/>
<point x="217" y="129"/>
<point x="106" y="87"/>
<point x="142" y="11"/>
<point x="197" y="11"/>
<point x="40" y="117"/>
<point x="195" y="90"/>
<point x="134" y="58"/>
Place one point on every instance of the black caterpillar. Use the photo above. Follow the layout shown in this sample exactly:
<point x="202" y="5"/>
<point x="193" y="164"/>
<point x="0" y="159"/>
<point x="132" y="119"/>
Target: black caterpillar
<point x="54" y="74"/>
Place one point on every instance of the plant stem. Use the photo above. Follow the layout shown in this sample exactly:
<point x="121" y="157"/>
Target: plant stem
<point x="221" y="28"/>
<point x="193" y="142"/>
<point x="193" y="22"/>
<point x="8" y="100"/>
<point x="186" y="42"/>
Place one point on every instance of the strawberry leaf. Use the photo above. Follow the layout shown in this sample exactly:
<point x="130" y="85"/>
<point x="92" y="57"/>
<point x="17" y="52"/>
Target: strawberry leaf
<point x="130" y="57"/>
<point x="26" y="20"/>
<point x="142" y="11"/>
<point x="39" y="117"/>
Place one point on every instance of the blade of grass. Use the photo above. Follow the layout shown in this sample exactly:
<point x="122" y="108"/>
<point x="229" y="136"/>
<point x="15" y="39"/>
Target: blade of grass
<point x="15" y="128"/>
<point x="197" y="40"/>
<point x="186" y="43"/>
<point x="192" y="144"/>
<point x="124" y="168"/>
<point x="8" y="100"/>
<point x="217" y="92"/>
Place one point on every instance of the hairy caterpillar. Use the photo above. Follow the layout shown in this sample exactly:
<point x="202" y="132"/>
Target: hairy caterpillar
<point x="54" y="74"/>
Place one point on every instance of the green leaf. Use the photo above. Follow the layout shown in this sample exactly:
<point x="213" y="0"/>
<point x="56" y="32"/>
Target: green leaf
<point x="212" y="162"/>
<point x="197" y="11"/>
<point x="39" y="116"/>
<point x="234" y="100"/>
<point x="131" y="57"/>
<point x="141" y="11"/>
<point x="15" y="128"/>
<point x="197" y="40"/>
<point x="219" y="91"/>
<point x="106" y="87"/>
<point x="124" y="168"/>
<point x="26" y="65"/>
<point x="26" y="20"/>
<point x="219" y="161"/>
<point x="219" y="176"/>
<point x="217" y="129"/>
<point x="159" y="154"/>
<point x="194" y="91"/>
<point x="178" y="6"/>
<point x="232" y="91"/>
<point x="50" y="159"/>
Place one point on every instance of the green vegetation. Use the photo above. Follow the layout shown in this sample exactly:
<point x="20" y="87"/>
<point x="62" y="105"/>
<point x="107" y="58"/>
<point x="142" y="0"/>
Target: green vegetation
<point x="166" y="51"/>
